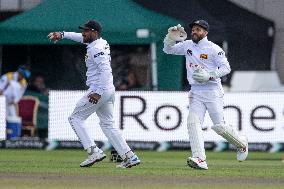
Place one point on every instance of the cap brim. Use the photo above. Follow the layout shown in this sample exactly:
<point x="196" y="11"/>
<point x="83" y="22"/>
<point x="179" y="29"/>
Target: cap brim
<point x="83" y="27"/>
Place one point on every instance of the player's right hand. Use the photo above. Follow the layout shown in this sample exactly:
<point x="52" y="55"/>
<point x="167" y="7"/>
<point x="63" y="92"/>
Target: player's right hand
<point x="54" y="36"/>
<point x="175" y="34"/>
<point x="94" y="98"/>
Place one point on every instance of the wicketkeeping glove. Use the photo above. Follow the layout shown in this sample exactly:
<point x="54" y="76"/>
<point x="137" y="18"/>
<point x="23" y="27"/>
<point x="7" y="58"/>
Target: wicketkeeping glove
<point x="175" y="34"/>
<point x="202" y="76"/>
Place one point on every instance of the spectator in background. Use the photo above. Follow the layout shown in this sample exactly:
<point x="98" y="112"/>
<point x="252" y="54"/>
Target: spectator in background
<point x="13" y="85"/>
<point x="38" y="85"/>
<point x="130" y="82"/>
<point x="37" y="88"/>
<point x="127" y="81"/>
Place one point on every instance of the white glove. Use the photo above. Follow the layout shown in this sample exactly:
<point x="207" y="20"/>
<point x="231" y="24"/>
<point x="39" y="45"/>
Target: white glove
<point x="168" y="41"/>
<point x="202" y="76"/>
<point x="175" y="33"/>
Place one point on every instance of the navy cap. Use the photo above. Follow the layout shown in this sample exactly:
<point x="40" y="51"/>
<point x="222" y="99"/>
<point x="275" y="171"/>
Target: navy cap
<point x="92" y="25"/>
<point x="202" y="23"/>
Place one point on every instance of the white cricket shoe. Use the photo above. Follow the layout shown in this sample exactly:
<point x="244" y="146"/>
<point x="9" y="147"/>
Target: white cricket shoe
<point x="242" y="153"/>
<point x="129" y="162"/>
<point x="197" y="163"/>
<point x="93" y="158"/>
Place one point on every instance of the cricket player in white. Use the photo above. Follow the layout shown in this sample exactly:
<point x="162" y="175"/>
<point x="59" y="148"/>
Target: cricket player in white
<point x="205" y="63"/>
<point x="99" y="98"/>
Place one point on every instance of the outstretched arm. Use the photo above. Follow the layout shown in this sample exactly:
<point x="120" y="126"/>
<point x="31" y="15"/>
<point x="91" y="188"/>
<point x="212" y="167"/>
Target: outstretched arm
<point x="56" y="36"/>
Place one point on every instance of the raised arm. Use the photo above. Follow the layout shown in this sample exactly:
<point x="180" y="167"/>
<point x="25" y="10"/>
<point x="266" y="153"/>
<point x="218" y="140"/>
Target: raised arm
<point x="56" y="36"/>
<point x="175" y="34"/>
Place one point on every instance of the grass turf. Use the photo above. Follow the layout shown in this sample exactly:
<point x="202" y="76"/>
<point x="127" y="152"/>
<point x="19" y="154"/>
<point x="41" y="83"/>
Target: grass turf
<point x="60" y="169"/>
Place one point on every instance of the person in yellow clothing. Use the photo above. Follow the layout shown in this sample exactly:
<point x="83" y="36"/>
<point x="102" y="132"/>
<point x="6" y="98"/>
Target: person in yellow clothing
<point x="13" y="86"/>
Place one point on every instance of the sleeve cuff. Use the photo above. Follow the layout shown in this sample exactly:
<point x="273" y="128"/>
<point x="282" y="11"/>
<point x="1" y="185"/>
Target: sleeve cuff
<point x="62" y="34"/>
<point x="214" y="75"/>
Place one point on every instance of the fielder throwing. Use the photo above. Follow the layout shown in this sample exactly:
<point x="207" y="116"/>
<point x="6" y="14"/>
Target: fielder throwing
<point x="205" y="63"/>
<point x="99" y="98"/>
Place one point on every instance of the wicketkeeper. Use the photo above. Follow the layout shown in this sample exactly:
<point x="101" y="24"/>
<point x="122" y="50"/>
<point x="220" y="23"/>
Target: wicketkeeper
<point x="205" y="64"/>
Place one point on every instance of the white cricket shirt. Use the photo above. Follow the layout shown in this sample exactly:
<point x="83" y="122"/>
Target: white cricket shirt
<point x="206" y="55"/>
<point x="97" y="59"/>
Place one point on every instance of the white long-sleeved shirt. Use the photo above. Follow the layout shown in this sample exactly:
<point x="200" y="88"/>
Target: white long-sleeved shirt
<point x="205" y="55"/>
<point x="97" y="59"/>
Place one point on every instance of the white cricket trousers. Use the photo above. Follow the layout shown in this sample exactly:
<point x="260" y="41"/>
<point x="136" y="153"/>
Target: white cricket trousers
<point x="104" y="110"/>
<point x="210" y="100"/>
<point x="199" y="102"/>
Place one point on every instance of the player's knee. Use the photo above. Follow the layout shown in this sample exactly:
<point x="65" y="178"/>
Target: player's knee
<point x="75" y="116"/>
<point x="107" y="124"/>
<point x="70" y="118"/>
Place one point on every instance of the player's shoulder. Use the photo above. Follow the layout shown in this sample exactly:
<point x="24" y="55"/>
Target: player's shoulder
<point x="216" y="48"/>
<point x="101" y="45"/>
<point x="100" y="49"/>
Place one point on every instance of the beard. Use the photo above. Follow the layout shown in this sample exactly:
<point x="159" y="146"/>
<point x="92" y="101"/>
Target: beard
<point x="86" y="40"/>
<point x="197" y="38"/>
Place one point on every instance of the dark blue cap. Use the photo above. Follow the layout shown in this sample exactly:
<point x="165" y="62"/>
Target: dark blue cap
<point x="92" y="25"/>
<point x="202" y="23"/>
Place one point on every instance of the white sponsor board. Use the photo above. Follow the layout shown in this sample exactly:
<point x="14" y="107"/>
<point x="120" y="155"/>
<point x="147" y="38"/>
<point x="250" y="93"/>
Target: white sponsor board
<point x="161" y="116"/>
<point x="2" y="118"/>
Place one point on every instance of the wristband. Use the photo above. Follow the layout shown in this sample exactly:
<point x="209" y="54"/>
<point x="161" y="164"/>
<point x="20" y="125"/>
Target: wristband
<point x="62" y="34"/>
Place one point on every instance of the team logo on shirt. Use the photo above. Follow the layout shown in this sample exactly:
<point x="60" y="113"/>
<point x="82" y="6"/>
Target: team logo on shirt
<point x="221" y="53"/>
<point x="98" y="54"/>
<point x="189" y="52"/>
<point x="204" y="56"/>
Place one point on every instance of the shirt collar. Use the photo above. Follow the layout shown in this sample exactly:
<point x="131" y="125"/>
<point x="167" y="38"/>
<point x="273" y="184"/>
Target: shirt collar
<point x="202" y="41"/>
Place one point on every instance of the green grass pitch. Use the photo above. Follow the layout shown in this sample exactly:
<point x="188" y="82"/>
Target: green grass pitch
<point x="60" y="169"/>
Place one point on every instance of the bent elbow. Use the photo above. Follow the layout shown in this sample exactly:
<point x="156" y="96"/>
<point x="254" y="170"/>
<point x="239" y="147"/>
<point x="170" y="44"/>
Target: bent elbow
<point x="165" y="50"/>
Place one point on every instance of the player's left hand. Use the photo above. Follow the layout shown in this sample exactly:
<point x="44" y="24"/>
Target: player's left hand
<point x="94" y="98"/>
<point x="201" y="76"/>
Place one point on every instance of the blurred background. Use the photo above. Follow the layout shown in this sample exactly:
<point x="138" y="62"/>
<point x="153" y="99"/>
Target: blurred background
<point x="250" y="32"/>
